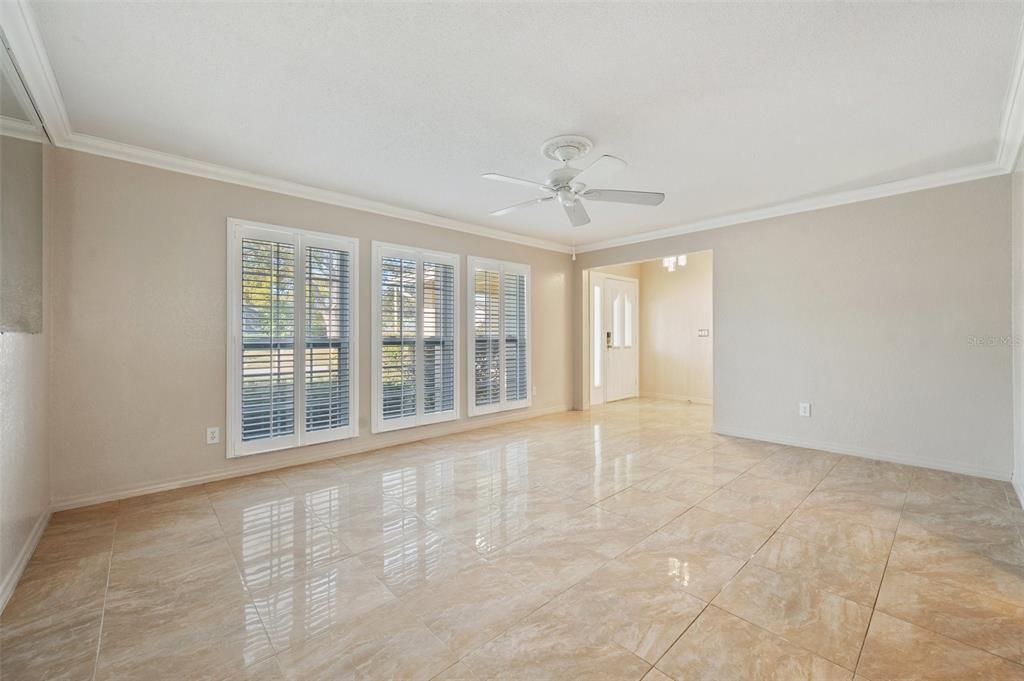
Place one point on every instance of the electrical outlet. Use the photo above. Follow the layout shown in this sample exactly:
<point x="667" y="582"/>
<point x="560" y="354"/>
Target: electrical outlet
<point x="703" y="333"/>
<point x="213" y="435"/>
<point x="805" y="409"/>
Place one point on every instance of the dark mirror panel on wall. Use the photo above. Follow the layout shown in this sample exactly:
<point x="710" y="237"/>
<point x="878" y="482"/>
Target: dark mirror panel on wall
<point x="21" y="205"/>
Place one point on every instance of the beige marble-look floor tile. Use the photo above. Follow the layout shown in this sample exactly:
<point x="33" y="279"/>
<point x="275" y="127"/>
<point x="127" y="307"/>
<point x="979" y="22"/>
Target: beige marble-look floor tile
<point x="385" y="643"/>
<point x="655" y="675"/>
<point x="877" y="508"/>
<point x="717" y="532"/>
<point x="756" y="500"/>
<point x="854" y="472"/>
<point x="553" y="560"/>
<point x="279" y="554"/>
<point x="473" y="606"/>
<point x="796" y="466"/>
<point x="457" y="672"/>
<point x="58" y="588"/>
<point x="645" y="508"/>
<point x="197" y="571"/>
<point x="634" y="603"/>
<point x="895" y="650"/>
<point x="993" y="569"/>
<point x="267" y="670"/>
<point x="845" y="558"/>
<point x="74" y="541"/>
<point x="673" y="484"/>
<point x="784" y="604"/>
<point x="194" y="639"/>
<point x="406" y="564"/>
<point x="547" y="647"/>
<point x="956" y="612"/>
<point x="375" y="528"/>
<point x="961" y="488"/>
<point x="61" y="646"/>
<point x="720" y="647"/>
<point x="697" y="570"/>
<point x="318" y="602"/>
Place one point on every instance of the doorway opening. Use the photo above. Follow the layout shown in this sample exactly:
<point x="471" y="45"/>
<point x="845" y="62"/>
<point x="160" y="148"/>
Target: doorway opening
<point x="651" y="330"/>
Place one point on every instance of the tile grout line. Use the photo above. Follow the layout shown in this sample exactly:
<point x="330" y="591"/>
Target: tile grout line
<point x="241" y="578"/>
<point x="888" y="557"/>
<point x="106" y="590"/>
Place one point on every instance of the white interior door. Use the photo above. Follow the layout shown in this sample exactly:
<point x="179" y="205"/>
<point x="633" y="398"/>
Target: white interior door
<point x="614" y="338"/>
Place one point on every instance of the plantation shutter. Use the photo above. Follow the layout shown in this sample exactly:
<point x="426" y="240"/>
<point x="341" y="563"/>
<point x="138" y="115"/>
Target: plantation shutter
<point x="290" y="346"/>
<point x="486" y="337"/>
<point x="499" y="336"/>
<point x="438" y="337"/>
<point x="415" y="357"/>
<point x="327" y="339"/>
<point x="514" y="296"/>
<point x="268" y="339"/>
<point x="398" y="337"/>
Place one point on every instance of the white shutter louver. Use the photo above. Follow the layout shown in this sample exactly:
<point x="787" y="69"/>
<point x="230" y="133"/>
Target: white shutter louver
<point x="291" y="301"/>
<point x="438" y="337"/>
<point x="514" y="295"/>
<point x="486" y="338"/>
<point x="268" y="339"/>
<point x="327" y="339"/>
<point x="499" y="336"/>
<point x="398" y="337"/>
<point x="415" y="356"/>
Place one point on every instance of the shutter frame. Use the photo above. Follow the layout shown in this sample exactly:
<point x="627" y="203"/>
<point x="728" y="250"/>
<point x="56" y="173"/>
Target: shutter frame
<point x="380" y="251"/>
<point x="237" y="231"/>
<point x="503" y="270"/>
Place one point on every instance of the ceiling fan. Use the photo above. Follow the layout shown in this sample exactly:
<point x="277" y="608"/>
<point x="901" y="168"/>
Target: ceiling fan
<point x="568" y="185"/>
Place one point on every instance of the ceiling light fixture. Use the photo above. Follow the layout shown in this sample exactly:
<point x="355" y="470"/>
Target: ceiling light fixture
<point x="671" y="261"/>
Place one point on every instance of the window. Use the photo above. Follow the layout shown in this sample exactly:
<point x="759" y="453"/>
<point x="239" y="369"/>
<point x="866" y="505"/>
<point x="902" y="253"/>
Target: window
<point x="498" y="331"/>
<point x="291" y="346"/>
<point x="415" y="322"/>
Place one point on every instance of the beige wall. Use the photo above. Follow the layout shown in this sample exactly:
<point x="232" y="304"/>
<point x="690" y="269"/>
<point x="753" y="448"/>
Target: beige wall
<point x="24" y="465"/>
<point x="139" y="323"/>
<point x="674" y="362"/>
<point x="866" y="311"/>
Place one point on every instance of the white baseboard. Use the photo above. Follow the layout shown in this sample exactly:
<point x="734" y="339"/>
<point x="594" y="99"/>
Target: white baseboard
<point x="1018" y="487"/>
<point x="678" y="398"/>
<point x="891" y="457"/>
<point x="403" y="437"/>
<point x="10" y="580"/>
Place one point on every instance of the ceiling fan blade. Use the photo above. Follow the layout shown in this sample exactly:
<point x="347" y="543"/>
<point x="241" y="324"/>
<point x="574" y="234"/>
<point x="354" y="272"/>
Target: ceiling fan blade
<point x="602" y="168"/>
<point x="577" y="213"/>
<point x="623" y="196"/>
<point x="514" y="180"/>
<point x="509" y="209"/>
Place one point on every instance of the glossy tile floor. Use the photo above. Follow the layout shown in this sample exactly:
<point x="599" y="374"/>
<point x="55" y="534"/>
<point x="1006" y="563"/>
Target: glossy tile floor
<point x="625" y="543"/>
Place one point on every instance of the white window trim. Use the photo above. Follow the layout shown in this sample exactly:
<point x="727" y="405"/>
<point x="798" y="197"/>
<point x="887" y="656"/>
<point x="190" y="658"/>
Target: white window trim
<point x="300" y="239"/>
<point x="378" y="424"/>
<point x="504" y="404"/>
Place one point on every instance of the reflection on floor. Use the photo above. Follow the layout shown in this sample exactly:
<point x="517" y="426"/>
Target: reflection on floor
<point x="579" y="546"/>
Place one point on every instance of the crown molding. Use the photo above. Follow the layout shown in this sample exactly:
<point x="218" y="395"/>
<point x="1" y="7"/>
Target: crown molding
<point x="22" y="36"/>
<point x="23" y="130"/>
<point x="947" y="177"/>
<point x="1011" y="132"/>
<point x="157" y="159"/>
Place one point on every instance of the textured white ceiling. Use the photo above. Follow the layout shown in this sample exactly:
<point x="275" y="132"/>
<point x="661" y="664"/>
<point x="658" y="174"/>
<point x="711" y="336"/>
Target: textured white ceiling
<point x="724" y="108"/>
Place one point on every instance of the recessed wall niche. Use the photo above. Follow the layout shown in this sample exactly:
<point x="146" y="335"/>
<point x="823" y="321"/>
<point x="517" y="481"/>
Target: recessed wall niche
<point x="21" y="206"/>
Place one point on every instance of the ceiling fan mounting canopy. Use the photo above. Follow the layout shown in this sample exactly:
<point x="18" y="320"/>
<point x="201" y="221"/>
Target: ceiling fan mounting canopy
<point x="568" y="184"/>
<point x="566" y="148"/>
